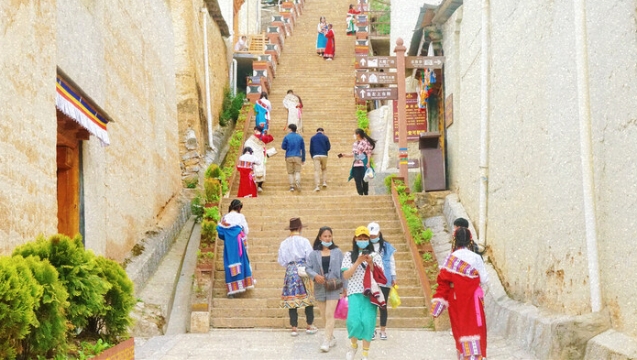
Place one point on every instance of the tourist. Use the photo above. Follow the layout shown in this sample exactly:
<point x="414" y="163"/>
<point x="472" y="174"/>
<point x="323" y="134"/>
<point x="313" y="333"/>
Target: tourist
<point x="361" y="315"/>
<point x="321" y="40"/>
<point x="257" y="142"/>
<point x="233" y="230"/>
<point x="386" y="251"/>
<point x="294" y="106"/>
<point x="297" y="290"/>
<point x="319" y="147"/>
<point x="462" y="222"/>
<point x="330" y="46"/>
<point x="324" y="267"/>
<point x="294" y="147"/>
<point x="362" y="153"/>
<point x="459" y="289"/>
<point x="245" y="166"/>
<point x="242" y="44"/>
<point x="262" y="110"/>
<point x="351" y="20"/>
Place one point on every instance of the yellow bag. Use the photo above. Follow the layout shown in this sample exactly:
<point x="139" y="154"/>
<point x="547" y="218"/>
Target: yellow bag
<point x="394" y="299"/>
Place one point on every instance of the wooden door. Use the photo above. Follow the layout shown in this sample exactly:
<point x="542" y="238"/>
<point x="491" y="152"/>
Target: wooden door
<point x="69" y="136"/>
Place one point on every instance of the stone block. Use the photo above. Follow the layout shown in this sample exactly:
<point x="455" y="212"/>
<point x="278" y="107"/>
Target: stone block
<point x="199" y="322"/>
<point x="611" y="345"/>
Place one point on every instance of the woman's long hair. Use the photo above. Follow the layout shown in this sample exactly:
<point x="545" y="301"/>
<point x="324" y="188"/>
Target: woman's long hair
<point x="363" y="135"/>
<point x="462" y="239"/>
<point x="355" y="249"/>
<point x="317" y="242"/>
<point x="381" y="243"/>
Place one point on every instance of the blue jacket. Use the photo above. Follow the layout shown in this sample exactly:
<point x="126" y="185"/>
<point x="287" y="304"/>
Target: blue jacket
<point x="319" y="144"/>
<point x="294" y="145"/>
<point x="386" y="256"/>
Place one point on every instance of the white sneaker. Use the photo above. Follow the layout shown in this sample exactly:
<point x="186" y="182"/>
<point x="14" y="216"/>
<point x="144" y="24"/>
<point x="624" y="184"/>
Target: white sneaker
<point x="324" y="184"/>
<point x="259" y="189"/>
<point x="333" y="342"/>
<point x="325" y="346"/>
<point x="317" y="189"/>
<point x="298" y="185"/>
<point x="351" y="353"/>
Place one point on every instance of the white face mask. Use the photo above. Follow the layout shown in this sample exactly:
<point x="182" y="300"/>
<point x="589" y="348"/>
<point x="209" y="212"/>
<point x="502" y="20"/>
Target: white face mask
<point x="355" y="138"/>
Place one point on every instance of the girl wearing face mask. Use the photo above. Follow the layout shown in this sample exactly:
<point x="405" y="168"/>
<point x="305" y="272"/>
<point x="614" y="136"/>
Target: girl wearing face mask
<point x="361" y="316"/>
<point x="324" y="263"/>
<point x="386" y="252"/>
<point x="362" y="154"/>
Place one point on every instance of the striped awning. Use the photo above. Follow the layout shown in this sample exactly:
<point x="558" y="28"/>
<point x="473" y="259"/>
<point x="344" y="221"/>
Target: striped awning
<point x="70" y="101"/>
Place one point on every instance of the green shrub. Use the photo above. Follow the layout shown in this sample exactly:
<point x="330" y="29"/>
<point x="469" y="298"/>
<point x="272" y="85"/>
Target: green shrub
<point x="361" y="118"/>
<point x="196" y="207"/>
<point x="212" y="213"/>
<point x="230" y="107"/>
<point x="113" y="320"/>
<point x="78" y="272"/>
<point x="418" y="183"/>
<point x="49" y="336"/>
<point x="19" y="292"/>
<point x="212" y="187"/>
<point x="387" y="182"/>
<point x="208" y="230"/>
<point x="213" y="172"/>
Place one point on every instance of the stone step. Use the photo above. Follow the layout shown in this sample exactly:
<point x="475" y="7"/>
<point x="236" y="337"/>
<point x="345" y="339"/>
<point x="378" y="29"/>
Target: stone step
<point x="284" y="322"/>
<point x="258" y="257"/>
<point x="273" y="265"/>
<point x="261" y="292"/>
<point x="239" y="303"/>
<point x="277" y="312"/>
<point x="261" y="245"/>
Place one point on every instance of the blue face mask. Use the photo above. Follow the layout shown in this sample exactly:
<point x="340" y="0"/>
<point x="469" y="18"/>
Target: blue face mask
<point x="326" y="244"/>
<point x="362" y="244"/>
<point x="375" y="240"/>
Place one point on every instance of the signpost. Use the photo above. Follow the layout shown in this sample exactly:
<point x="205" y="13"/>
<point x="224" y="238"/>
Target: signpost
<point x="377" y="93"/>
<point x="415" y="119"/>
<point x="375" y="78"/>
<point x="422" y="62"/>
<point x="371" y="62"/>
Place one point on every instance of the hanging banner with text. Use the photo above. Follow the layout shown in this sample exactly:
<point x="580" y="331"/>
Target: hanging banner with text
<point x="416" y="119"/>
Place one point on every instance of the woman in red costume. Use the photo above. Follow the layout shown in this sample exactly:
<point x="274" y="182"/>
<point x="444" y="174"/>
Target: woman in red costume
<point x="247" y="185"/>
<point x="330" y="47"/>
<point x="459" y="290"/>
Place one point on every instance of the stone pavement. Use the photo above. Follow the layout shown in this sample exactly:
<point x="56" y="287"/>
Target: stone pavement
<point x="249" y="344"/>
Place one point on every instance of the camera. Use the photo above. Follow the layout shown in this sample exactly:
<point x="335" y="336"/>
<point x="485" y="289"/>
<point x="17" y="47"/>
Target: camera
<point x="365" y="252"/>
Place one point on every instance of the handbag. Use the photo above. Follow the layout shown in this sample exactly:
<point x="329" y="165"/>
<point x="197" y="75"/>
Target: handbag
<point x="394" y="299"/>
<point x="271" y="152"/>
<point x="341" y="309"/>
<point x="331" y="284"/>
<point x="300" y="269"/>
<point x="369" y="174"/>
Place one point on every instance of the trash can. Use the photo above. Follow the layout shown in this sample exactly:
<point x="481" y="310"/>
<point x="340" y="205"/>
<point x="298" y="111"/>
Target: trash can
<point x="432" y="164"/>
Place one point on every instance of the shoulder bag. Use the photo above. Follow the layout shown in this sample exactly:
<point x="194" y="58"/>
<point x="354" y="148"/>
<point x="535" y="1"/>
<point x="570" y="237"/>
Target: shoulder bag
<point x="330" y="284"/>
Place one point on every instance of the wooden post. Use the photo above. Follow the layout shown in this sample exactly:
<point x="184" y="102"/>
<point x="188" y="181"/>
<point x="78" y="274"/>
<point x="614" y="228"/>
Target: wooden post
<point x="402" y="125"/>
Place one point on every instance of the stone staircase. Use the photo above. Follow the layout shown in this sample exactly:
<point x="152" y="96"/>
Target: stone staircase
<point x="326" y="90"/>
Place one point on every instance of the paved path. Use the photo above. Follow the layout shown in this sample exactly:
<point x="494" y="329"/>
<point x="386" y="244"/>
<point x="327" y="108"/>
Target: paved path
<point x="254" y="344"/>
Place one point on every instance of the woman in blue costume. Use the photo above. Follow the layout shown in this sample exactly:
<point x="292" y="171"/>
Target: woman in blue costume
<point x="321" y="40"/>
<point x="233" y="230"/>
<point x="262" y="109"/>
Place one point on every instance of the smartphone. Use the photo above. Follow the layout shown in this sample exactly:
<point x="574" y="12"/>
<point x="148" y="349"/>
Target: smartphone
<point x="340" y="155"/>
<point x="365" y="252"/>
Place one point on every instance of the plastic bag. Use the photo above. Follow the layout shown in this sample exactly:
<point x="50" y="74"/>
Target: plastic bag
<point x="341" y="309"/>
<point x="369" y="174"/>
<point x="394" y="299"/>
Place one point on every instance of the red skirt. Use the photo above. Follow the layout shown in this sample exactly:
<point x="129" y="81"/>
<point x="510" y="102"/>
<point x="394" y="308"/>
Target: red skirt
<point x="247" y="186"/>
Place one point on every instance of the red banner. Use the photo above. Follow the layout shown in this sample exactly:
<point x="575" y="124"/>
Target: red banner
<point x="415" y="118"/>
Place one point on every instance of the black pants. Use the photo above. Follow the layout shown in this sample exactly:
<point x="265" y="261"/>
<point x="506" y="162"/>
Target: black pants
<point x="294" y="316"/>
<point x="362" y="187"/>
<point x="383" y="311"/>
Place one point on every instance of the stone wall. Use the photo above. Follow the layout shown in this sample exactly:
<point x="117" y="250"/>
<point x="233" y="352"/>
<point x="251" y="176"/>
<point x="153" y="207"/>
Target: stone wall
<point x="131" y="59"/>
<point x="28" y="202"/>
<point x="191" y="82"/>
<point x="536" y="226"/>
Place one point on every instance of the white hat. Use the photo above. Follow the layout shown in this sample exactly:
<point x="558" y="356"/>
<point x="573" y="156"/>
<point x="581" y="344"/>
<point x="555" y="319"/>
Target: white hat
<point x="374" y="228"/>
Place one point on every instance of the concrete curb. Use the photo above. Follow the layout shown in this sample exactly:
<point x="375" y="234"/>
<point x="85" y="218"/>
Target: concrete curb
<point x="611" y="345"/>
<point x="545" y="334"/>
<point x="142" y="267"/>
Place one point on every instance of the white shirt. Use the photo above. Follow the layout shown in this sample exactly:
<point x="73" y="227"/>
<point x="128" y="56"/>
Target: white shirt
<point x="234" y="218"/>
<point x="294" y="248"/>
<point x="474" y="260"/>
<point x="355" y="283"/>
<point x="250" y="158"/>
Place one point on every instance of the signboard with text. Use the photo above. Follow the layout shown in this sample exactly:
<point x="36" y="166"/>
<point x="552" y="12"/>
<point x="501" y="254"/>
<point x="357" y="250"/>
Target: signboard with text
<point x="422" y="62"/>
<point x="415" y="118"/>
<point x="370" y="62"/>
<point x="370" y="77"/>
<point x="377" y="93"/>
